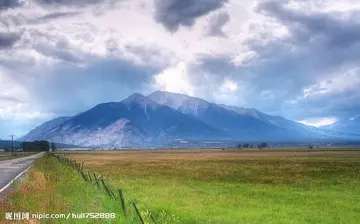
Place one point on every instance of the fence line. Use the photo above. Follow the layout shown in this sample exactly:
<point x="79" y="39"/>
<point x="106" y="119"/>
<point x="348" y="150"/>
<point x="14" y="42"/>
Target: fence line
<point x="79" y="167"/>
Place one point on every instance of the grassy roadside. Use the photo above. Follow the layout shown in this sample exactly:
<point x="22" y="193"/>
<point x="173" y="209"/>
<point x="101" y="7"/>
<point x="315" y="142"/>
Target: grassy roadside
<point x="53" y="187"/>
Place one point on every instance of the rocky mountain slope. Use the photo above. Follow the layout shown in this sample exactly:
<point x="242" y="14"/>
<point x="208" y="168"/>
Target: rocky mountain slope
<point x="162" y="117"/>
<point x="136" y="121"/>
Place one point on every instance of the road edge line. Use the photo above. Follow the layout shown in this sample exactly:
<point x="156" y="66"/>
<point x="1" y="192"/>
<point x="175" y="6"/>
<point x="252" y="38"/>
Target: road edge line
<point x="12" y="181"/>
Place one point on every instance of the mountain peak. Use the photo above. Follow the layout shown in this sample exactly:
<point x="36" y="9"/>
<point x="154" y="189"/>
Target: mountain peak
<point x="177" y="100"/>
<point x="167" y="93"/>
<point x="136" y="98"/>
<point x="139" y="99"/>
<point x="163" y="92"/>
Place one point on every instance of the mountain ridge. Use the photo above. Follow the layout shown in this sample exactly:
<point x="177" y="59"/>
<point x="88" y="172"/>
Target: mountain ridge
<point x="161" y="117"/>
<point x="230" y="118"/>
<point x="146" y="122"/>
<point x="345" y="125"/>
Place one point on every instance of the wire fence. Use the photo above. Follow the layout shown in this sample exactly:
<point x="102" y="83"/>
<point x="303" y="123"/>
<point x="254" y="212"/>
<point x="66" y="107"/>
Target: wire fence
<point x="98" y="180"/>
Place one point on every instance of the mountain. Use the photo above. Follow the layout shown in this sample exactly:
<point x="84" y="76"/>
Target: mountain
<point x="345" y="125"/>
<point x="274" y="120"/>
<point x="239" y="123"/>
<point x="137" y="121"/>
<point x="164" y="117"/>
<point x="38" y="132"/>
<point x="308" y="132"/>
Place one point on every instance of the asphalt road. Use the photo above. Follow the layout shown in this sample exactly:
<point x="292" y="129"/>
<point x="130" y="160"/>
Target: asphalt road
<point x="9" y="169"/>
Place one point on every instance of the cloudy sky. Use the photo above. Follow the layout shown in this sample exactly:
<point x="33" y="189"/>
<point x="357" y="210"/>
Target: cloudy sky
<point x="299" y="59"/>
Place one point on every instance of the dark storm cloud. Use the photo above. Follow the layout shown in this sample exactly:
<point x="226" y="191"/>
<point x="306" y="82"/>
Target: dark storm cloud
<point x="69" y="2"/>
<point x="335" y="31"/>
<point x="217" y="22"/>
<point x="62" y="54"/>
<point x="66" y="55"/>
<point x="6" y="4"/>
<point x="342" y="104"/>
<point x="98" y="7"/>
<point x="319" y="47"/>
<point x="53" y="45"/>
<point x="7" y="40"/>
<point x="151" y="55"/>
<point x="219" y="66"/>
<point x="102" y="80"/>
<point x="173" y="13"/>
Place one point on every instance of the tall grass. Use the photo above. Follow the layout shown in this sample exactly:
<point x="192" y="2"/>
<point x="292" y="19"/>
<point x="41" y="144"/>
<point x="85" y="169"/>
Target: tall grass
<point x="52" y="187"/>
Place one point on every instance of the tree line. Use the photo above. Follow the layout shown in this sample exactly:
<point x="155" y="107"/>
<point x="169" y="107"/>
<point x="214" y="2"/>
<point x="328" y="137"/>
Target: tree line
<point x="247" y="145"/>
<point x="37" y="146"/>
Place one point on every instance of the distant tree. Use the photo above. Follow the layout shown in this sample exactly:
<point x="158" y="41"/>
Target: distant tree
<point x="53" y="147"/>
<point x="23" y="145"/>
<point x="36" y="146"/>
<point x="239" y="146"/>
<point x="262" y="145"/>
<point x="310" y="146"/>
<point x="246" y="145"/>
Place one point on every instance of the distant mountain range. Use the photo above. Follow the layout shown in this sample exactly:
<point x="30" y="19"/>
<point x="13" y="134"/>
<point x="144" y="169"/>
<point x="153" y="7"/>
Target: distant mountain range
<point x="345" y="125"/>
<point x="162" y="117"/>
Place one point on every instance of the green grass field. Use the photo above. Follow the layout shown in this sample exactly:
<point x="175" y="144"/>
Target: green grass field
<point x="209" y="186"/>
<point x="215" y="186"/>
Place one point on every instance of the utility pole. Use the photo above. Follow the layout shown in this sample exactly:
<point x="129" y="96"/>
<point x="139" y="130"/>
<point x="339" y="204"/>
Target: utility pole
<point x="12" y="144"/>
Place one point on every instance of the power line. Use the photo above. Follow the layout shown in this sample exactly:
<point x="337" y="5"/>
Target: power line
<point x="12" y="144"/>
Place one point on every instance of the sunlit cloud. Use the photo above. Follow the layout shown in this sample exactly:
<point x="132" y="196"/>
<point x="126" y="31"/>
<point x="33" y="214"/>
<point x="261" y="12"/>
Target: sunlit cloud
<point x="318" y="122"/>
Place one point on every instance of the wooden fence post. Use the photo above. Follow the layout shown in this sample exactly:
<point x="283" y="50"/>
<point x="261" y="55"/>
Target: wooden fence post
<point x="111" y="192"/>
<point x="97" y="180"/>
<point x="151" y="216"/>
<point x="106" y="189"/>
<point x="83" y="175"/>
<point x="138" y="213"/>
<point x="90" y="177"/>
<point x="122" y="200"/>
